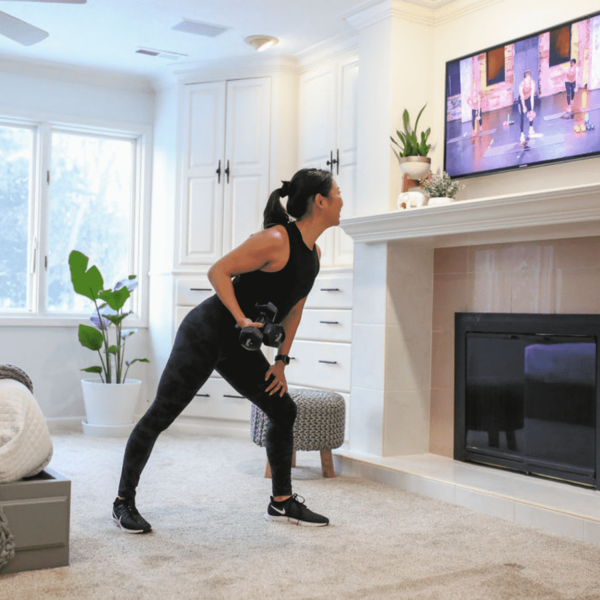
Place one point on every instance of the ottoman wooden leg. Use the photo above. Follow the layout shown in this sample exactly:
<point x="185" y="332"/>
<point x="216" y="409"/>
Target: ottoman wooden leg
<point x="327" y="463"/>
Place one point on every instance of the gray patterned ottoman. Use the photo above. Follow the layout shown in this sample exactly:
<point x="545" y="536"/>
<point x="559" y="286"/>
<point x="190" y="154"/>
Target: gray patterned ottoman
<point x="320" y="425"/>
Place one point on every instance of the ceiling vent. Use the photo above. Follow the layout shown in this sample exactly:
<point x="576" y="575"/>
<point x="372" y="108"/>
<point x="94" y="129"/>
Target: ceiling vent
<point x="160" y="53"/>
<point x="199" y="28"/>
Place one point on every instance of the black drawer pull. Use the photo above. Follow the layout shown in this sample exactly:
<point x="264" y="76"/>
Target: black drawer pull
<point x="200" y="289"/>
<point x="330" y="322"/>
<point x="329" y="362"/>
<point x="203" y="395"/>
<point x="232" y="396"/>
<point x="331" y="290"/>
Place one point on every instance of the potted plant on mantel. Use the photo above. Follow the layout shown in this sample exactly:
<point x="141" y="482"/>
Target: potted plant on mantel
<point x="413" y="148"/>
<point x="440" y="188"/>
<point x="109" y="403"/>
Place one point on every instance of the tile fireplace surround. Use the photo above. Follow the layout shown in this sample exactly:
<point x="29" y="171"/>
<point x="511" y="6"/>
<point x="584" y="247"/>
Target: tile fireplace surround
<point x="412" y="271"/>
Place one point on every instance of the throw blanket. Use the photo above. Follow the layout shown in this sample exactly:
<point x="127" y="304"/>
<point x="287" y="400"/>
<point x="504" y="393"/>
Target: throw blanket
<point x="25" y="444"/>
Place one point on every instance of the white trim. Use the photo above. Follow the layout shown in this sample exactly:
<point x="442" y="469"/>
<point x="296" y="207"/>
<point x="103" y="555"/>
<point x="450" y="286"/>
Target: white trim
<point x="547" y="214"/>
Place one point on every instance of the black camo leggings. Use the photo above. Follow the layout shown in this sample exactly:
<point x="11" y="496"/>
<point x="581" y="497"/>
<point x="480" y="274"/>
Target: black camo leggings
<point x="207" y="340"/>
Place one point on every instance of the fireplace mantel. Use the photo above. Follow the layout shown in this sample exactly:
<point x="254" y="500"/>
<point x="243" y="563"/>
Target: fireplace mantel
<point x="549" y="214"/>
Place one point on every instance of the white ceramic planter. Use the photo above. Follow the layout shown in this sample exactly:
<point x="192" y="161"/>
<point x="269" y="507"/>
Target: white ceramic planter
<point x="439" y="201"/>
<point x="110" y="404"/>
<point x="416" y="167"/>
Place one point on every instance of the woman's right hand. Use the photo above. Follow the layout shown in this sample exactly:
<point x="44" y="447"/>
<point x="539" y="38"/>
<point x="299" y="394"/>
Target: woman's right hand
<point x="246" y="322"/>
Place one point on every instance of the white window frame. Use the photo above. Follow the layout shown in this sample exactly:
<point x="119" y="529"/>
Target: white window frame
<point x="35" y="314"/>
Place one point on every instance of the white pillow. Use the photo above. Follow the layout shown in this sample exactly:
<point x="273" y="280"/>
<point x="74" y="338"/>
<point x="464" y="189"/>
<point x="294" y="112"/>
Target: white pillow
<point x="25" y="443"/>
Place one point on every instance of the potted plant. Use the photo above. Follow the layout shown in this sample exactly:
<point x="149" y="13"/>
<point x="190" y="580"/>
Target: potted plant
<point x="440" y="188"/>
<point x="109" y="403"/>
<point x="413" y="148"/>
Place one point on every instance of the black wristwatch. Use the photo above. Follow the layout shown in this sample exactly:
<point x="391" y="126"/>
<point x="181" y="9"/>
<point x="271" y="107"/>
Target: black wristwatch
<point x="284" y="358"/>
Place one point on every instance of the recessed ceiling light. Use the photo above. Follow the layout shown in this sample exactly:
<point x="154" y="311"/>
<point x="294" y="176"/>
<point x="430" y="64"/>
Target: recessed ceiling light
<point x="200" y="28"/>
<point x="261" y="42"/>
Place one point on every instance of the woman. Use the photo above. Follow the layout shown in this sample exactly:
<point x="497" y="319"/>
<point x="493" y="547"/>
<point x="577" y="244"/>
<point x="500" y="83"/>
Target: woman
<point x="278" y="265"/>
<point x="570" y="82"/>
<point x="526" y="103"/>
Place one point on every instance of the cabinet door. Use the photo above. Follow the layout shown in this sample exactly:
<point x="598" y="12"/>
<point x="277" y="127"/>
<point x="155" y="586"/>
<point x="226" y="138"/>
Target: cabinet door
<point x="247" y="156"/>
<point x="203" y="136"/>
<point x="347" y="146"/>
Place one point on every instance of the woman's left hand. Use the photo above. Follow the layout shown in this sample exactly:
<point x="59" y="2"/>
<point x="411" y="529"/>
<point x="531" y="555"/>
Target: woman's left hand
<point x="278" y="384"/>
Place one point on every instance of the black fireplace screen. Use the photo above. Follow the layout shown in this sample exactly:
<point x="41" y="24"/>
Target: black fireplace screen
<point x="526" y="393"/>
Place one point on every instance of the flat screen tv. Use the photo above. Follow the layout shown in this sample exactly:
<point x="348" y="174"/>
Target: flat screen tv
<point x="529" y="102"/>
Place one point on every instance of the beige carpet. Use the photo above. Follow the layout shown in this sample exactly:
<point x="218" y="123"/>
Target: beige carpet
<point x="206" y="496"/>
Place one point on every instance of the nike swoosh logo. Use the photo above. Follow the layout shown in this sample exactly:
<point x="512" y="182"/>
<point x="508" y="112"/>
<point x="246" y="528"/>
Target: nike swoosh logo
<point x="281" y="512"/>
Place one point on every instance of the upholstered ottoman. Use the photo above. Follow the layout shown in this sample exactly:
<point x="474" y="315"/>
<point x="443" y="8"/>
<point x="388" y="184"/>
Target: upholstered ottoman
<point x="320" y="425"/>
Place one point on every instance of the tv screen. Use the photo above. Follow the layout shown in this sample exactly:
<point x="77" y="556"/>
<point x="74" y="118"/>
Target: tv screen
<point x="528" y="102"/>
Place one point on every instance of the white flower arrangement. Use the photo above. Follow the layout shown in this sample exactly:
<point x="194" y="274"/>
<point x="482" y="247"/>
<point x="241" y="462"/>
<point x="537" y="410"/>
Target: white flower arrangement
<point x="439" y="185"/>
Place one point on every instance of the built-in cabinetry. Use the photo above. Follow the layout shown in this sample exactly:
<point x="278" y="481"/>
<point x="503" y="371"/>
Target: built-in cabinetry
<point x="327" y="140"/>
<point x="238" y="138"/>
<point x="225" y="132"/>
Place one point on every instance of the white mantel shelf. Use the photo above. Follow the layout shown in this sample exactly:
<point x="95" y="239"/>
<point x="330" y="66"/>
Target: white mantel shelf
<point x="550" y="214"/>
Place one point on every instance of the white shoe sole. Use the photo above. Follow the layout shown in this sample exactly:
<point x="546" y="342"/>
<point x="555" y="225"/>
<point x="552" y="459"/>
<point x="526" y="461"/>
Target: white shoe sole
<point x="292" y="521"/>
<point x="118" y="523"/>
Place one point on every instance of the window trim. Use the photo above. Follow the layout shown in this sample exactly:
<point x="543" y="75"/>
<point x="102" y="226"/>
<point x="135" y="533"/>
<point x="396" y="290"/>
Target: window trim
<point x="35" y="315"/>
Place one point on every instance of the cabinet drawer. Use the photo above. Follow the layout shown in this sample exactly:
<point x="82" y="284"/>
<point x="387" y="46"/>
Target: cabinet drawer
<point x="331" y="291"/>
<point x="327" y="325"/>
<point x="191" y="292"/>
<point x="218" y="400"/>
<point x="320" y="364"/>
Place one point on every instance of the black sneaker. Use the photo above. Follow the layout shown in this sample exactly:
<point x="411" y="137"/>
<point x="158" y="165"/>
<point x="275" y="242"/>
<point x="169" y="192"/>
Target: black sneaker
<point x="127" y="517"/>
<point x="294" y="511"/>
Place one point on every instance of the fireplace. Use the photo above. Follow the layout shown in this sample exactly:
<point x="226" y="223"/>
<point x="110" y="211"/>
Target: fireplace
<point x="526" y="393"/>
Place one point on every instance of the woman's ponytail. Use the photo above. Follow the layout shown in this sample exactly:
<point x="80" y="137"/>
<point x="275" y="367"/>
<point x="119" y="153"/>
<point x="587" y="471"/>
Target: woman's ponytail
<point x="274" y="213"/>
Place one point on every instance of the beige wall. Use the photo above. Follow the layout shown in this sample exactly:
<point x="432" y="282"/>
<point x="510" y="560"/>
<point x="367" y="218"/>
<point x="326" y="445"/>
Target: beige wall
<point x="561" y="276"/>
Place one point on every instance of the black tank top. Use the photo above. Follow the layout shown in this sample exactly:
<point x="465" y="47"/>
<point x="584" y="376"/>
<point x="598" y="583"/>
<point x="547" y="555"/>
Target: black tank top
<point x="284" y="288"/>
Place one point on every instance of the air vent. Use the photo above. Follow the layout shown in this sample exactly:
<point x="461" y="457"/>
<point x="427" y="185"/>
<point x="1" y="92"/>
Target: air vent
<point x="160" y="53"/>
<point x="199" y="28"/>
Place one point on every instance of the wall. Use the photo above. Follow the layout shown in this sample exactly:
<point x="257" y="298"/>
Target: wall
<point x="52" y="355"/>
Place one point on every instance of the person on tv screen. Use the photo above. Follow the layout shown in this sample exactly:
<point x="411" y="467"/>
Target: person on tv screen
<point x="570" y="83"/>
<point x="526" y="96"/>
<point x="474" y="101"/>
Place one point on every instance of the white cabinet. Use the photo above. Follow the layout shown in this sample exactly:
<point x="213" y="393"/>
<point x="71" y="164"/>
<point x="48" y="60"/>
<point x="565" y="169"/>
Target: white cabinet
<point x="327" y="140"/>
<point x="225" y="133"/>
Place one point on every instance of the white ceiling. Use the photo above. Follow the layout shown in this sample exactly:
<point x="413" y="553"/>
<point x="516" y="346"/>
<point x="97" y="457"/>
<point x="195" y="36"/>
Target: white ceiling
<point x="105" y="34"/>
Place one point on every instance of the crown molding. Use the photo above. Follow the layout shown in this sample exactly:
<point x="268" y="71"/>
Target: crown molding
<point x="235" y="67"/>
<point x="424" y="12"/>
<point x="71" y="73"/>
<point x="328" y="50"/>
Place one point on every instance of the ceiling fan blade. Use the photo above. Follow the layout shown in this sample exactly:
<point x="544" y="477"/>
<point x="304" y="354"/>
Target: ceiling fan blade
<point x="19" y="31"/>
<point x="54" y="1"/>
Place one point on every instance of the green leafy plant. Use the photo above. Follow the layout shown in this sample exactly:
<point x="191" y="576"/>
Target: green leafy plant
<point x="109" y="311"/>
<point x="409" y="142"/>
<point x="439" y="185"/>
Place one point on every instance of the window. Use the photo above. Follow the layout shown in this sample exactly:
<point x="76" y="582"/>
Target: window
<point x="560" y="45"/>
<point x="495" y="66"/>
<point x="63" y="189"/>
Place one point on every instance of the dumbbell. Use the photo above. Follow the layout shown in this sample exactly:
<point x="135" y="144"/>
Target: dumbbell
<point x="270" y="334"/>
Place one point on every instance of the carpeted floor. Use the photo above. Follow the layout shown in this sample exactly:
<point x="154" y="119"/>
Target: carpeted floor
<point x="205" y="498"/>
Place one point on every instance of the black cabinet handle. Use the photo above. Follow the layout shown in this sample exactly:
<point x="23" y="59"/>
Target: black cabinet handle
<point x="232" y="396"/>
<point x="203" y="395"/>
<point x="332" y="161"/>
<point x="227" y="171"/>
<point x="329" y="362"/>
<point x="200" y="289"/>
<point x="330" y="322"/>
<point x="330" y="290"/>
<point x="218" y="172"/>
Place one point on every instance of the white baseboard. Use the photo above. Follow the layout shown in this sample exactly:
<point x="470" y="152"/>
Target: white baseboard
<point x="65" y="424"/>
<point x="211" y="427"/>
